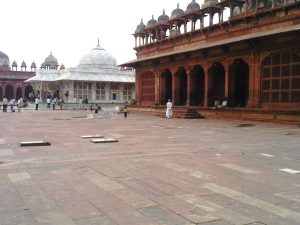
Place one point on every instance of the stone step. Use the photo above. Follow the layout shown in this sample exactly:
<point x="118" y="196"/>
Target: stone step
<point x="182" y="113"/>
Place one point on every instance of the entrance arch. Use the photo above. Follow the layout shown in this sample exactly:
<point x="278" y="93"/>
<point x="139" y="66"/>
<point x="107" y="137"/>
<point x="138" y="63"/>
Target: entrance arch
<point x="19" y="93"/>
<point x="28" y="90"/>
<point x="197" y="86"/>
<point x="165" y="86"/>
<point x="216" y="86"/>
<point x="180" y="87"/>
<point x="9" y="92"/>
<point x="238" y="83"/>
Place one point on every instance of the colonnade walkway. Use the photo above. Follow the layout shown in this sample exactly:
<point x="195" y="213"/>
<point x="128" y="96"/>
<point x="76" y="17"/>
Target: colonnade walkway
<point x="161" y="171"/>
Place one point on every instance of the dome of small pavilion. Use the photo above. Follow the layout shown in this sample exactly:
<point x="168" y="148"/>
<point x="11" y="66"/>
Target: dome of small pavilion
<point x="23" y="64"/>
<point x="14" y="64"/>
<point x="163" y="17"/>
<point x="140" y="27"/>
<point x="177" y="12"/>
<point x="51" y="62"/>
<point x="152" y="22"/>
<point x="193" y="6"/>
<point x="33" y="65"/>
<point x="98" y="58"/>
<point x="4" y="62"/>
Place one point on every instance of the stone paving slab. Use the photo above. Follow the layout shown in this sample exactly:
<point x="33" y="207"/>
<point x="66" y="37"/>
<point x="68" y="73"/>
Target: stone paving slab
<point x="161" y="171"/>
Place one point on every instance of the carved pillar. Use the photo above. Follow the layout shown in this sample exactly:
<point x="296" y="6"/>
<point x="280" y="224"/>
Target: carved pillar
<point x="157" y="85"/>
<point x="173" y="87"/>
<point x="231" y="12"/>
<point x="226" y="69"/>
<point x="188" y="89"/>
<point x="2" y="91"/>
<point x="211" y="18"/>
<point x="254" y="86"/>
<point x="221" y="18"/>
<point x="201" y="23"/>
<point x="206" y="84"/>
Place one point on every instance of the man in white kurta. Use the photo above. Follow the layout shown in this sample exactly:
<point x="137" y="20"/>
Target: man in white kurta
<point x="169" y="112"/>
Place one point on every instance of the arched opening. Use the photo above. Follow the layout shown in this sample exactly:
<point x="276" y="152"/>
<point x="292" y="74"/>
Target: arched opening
<point x="1" y="96"/>
<point x="238" y="83"/>
<point x="216" y="87"/>
<point x="197" y="86"/>
<point x="9" y="92"/>
<point x="28" y="92"/>
<point x="165" y="86"/>
<point x="180" y="87"/>
<point x="19" y="93"/>
<point x="148" y="87"/>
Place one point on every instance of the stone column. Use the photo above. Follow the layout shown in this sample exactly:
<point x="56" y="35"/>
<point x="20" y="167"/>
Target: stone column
<point x="121" y="92"/>
<point x="157" y="87"/>
<point x="188" y="89"/>
<point x="226" y="77"/>
<point x="173" y="88"/>
<point x="71" y="92"/>
<point x="93" y="85"/>
<point x="254" y="84"/>
<point x="206" y="84"/>
<point x="107" y="92"/>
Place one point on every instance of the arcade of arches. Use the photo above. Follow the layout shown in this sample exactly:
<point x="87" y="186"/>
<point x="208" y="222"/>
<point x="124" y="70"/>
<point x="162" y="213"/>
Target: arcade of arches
<point x="201" y="84"/>
<point x="16" y="90"/>
<point x="244" y="52"/>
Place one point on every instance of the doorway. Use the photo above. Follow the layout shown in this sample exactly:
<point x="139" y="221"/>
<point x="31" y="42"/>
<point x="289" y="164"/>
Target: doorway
<point x="165" y="86"/>
<point x="197" y="86"/>
<point x="216" y="88"/>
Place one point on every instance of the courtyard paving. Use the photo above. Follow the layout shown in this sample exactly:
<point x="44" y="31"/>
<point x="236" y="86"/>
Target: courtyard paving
<point x="160" y="172"/>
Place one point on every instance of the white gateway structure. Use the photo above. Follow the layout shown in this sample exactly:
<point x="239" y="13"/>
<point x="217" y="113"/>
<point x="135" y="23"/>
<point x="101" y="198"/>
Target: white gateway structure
<point x="96" y="78"/>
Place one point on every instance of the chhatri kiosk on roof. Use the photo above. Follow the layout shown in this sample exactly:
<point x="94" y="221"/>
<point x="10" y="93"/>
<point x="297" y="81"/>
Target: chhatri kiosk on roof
<point x="97" y="78"/>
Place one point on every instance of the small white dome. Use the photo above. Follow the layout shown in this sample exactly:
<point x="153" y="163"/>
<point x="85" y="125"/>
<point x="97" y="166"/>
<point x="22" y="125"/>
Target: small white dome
<point x="4" y="60"/>
<point x="98" y="58"/>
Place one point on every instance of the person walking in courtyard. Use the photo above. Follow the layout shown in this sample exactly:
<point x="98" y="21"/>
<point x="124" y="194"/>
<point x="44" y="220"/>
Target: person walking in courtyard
<point x="53" y="103"/>
<point x="36" y="101"/>
<point x="80" y="103"/>
<point x="19" y="104"/>
<point x="169" y="112"/>
<point x="4" y="104"/>
<point x="12" y="104"/>
<point x="125" y="111"/>
<point x="60" y="103"/>
<point x="48" y="102"/>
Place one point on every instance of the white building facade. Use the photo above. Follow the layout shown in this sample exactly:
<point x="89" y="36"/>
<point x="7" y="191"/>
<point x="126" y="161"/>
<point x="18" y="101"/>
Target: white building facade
<point x="96" y="78"/>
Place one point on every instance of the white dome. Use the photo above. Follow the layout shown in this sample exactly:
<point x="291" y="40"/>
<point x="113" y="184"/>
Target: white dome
<point x="98" y="58"/>
<point x="4" y="60"/>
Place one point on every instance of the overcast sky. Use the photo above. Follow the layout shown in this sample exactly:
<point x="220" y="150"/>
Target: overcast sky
<point x="31" y="29"/>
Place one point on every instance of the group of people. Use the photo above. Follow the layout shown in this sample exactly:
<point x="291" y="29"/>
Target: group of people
<point x="12" y="103"/>
<point x="97" y="108"/>
<point x="220" y="104"/>
<point x="52" y="102"/>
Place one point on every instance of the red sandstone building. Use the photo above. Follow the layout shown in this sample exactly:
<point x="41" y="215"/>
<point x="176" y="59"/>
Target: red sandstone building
<point x="12" y="80"/>
<point x="196" y="56"/>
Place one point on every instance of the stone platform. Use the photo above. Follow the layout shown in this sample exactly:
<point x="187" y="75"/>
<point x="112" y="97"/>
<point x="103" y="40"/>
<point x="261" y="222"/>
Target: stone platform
<point x="160" y="172"/>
